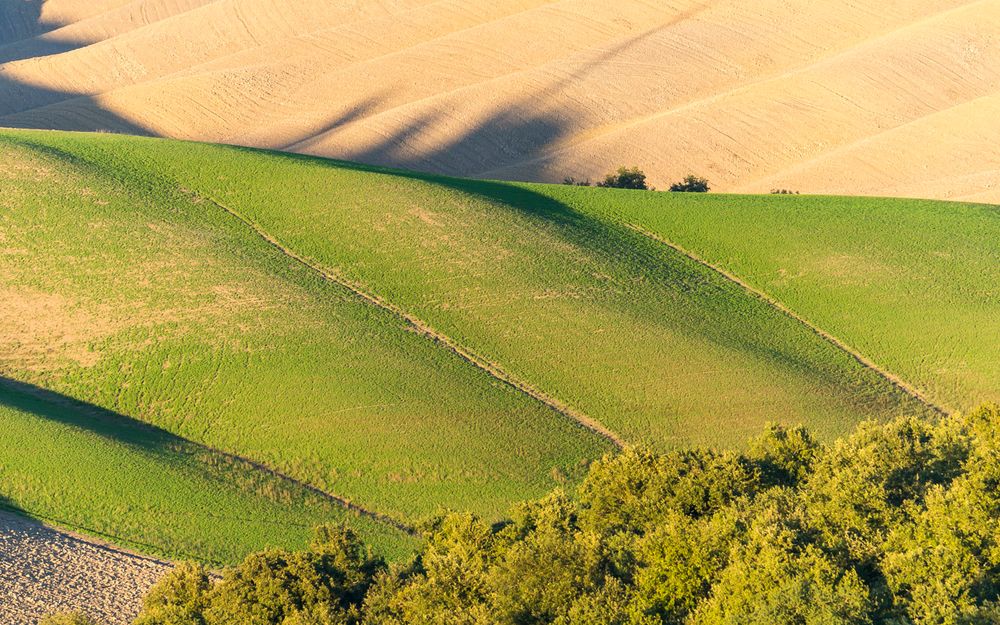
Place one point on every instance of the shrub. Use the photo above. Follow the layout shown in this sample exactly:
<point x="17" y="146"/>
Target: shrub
<point x="783" y="192"/>
<point x="691" y="184"/>
<point x="625" y="178"/>
<point x="573" y="182"/>
<point x="179" y="598"/>
<point x="322" y="585"/>
<point x="897" y="523"/>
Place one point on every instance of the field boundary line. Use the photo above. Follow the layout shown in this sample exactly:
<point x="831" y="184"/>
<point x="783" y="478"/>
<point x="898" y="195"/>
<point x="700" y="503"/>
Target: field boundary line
<point x="896" y="381"/>
<point x="490" y="368"/>
<point x="343" y="502"/>
<point x="94" y="538"/>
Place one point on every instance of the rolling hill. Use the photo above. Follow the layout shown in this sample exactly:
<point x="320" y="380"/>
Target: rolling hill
<point x="198" y="327"/>
<point x="838" y="97"/>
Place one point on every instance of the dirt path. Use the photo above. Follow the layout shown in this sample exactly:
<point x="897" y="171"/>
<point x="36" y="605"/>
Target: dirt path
<point x="43" y="570"/>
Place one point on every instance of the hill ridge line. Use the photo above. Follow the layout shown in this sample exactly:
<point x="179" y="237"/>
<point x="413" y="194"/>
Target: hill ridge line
<point x="896" y="381"/>
<point x="490" y="368"/>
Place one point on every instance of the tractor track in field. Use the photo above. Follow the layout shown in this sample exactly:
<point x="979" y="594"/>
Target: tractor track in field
<point x="418" y="325"/>
<point x="897" y="382"/>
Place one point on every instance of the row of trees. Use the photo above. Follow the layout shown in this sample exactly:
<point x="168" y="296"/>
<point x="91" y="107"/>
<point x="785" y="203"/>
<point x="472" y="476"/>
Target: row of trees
<point x="898" y="523"/>
<point x="635" y="178"/>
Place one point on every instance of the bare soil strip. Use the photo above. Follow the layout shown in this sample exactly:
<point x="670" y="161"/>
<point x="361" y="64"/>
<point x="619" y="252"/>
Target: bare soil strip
<point x="44" y="570"/>
<point x="421" y="327"/>
<point x="893" y="379"/>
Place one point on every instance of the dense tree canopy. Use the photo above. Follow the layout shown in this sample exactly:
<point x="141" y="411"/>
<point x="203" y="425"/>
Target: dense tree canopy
<point x="898" y="523"/>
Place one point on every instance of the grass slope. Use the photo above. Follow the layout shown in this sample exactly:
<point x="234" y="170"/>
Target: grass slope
<point x="202" y="289"/>
<point x="144" y="301"/>
<point x="912" y="284"/>
<point x="627" y="331"/>
<point x="101" y="474"/>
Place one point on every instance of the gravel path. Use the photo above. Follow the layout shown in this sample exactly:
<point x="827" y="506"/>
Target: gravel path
<point x="43" y="570"/>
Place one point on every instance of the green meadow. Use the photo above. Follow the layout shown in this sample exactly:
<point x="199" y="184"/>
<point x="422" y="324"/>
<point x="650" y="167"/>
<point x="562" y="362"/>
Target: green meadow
<point x="98" y="473"/>
<point x="410" y="343"/>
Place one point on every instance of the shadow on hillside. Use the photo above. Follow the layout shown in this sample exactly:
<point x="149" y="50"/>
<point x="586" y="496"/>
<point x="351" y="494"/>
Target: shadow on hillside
<point x="520" y="131"/>
<point x="23" y="35"/>
<point x="21" y="20"/>
<point x="6" y="505"/>
<point x="66" y="410"/>
<point x="514" y="132"/>
<point x="37" y="47"/>
<point x="356" y="112"/>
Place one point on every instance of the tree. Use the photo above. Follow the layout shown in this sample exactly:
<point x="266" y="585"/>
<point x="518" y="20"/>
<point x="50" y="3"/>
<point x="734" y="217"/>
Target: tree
<point x="625" y="178"/>
<point x="897" y="523"/>
<point x="691" y="184"/>
<point x="323" y="585"/>
<point x="179" y="598"/>
<point x="778" y="576"/>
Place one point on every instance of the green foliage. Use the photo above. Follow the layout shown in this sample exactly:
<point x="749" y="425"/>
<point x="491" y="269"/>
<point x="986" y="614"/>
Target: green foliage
<point x="323" y="585"/>
<point x="691" y="184"/>
<point x="899" y="522"/>
<point x="179" y="598"/>
<point x="625" y="178"/>
<point x="785" y="456"/>
<point x="634" y="490"/>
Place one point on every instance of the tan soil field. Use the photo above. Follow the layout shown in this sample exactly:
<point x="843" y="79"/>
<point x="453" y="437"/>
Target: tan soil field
<point x="43" y="570"/>
<point x="898" y="97"/>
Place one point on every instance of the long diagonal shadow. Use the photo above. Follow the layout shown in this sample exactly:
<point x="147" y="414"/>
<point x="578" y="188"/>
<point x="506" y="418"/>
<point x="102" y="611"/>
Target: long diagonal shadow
<point x="69" y="411"/>
<point x="145" y="437"/>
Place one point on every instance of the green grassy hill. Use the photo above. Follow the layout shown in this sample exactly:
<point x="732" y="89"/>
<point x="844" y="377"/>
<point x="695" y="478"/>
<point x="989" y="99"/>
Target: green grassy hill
<point x="408" y="342"/>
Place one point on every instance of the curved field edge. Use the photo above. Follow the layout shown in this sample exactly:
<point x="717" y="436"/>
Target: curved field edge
<point x="206" y="332"/>
<point x="100" y="474"/>
<point x="641" y="339"/>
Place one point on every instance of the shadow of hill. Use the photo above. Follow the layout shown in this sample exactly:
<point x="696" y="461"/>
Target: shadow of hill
<point x="38" y="46"/>
<point x="522" y="130"/>
<point x="357" y="111"/>
<point x="94" y="419"/>
<point x="20" y="20"/>
<point x="23" y="32"/>
<point x="22" y="37"/>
